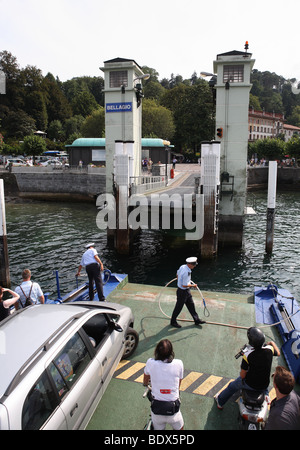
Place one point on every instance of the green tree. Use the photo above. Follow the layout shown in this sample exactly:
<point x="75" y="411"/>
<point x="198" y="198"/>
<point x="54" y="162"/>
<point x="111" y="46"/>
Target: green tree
<point x="270" y="149"/>
<point x="34" y="145"/>
<point x="73" y="125"/>
<point x="18" y="124"/>
<point x="94" y="125"/>
<point x="294" y="118"/>
<point x="35" y="106"/>
<point x="55" y="131"/>
<point x="293" y="147"/>
<point x="58" y="107"/>
<point x="157" y="120"/>
<point x="84" y="104"/>
<point x="153" y="90"/>
<point x="194" y="114"/>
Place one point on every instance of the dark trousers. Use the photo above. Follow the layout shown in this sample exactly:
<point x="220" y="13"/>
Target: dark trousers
<point x="184" y="297"/>
<point x="94" y="274"/>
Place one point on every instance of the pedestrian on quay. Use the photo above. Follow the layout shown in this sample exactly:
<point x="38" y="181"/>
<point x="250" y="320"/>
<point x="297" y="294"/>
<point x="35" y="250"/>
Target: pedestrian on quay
<point x="93" y="266"/>
<point x="6" y="304"/>
<point x="149" y="166"/>
<point x="183" y="293"/>
<point x="285" y="408"/>
<point x="165" y="374"/>
<point x="29" y="291"/>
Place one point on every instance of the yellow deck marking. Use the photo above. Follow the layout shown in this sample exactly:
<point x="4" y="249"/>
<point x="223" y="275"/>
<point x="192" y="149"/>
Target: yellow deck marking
<point x="122" y="363"/>
<point x="189" y="379"/>
<point x="224" y="387"/>
<point x="207" y="385"/>
<point x="140" y="379"/>
<point x="131" y="371"/>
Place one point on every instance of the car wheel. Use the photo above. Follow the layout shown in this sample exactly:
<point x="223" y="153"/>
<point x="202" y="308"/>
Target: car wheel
<point x="131" y="343"/>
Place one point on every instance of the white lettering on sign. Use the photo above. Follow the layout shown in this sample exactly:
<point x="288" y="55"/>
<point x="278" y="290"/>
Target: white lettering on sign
<point x="119" y="107"/>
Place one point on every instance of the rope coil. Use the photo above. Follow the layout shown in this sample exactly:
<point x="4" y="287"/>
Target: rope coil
<point x="207" y="312"/>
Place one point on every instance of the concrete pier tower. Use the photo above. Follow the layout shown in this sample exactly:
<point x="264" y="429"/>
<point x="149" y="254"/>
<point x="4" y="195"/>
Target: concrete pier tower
<point x="123" y="137"/>
<point x="233" y="87"/>
<point x="123" y="114"/>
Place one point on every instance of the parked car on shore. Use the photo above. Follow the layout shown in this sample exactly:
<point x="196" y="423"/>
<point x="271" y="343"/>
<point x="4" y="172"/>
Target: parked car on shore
<point x="53" y="378"/>
<point x="54" y="163"/>
<point x="16" y="162"/>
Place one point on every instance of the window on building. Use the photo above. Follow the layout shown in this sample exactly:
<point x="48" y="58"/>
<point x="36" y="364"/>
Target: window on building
<point x="233" y="74"/>
<point x="118" y="78"/>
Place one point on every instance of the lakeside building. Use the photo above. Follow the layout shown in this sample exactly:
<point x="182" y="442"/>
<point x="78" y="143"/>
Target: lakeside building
<point x="93" y="151"/>
<point x="264" y="125"/>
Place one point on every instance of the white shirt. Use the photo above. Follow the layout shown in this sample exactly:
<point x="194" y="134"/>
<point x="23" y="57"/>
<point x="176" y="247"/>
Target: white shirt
<point x="184" y="276"/>
<point x="165" y="378"/>
<point x="36" y="292"/>
<point x="89" y="257"/>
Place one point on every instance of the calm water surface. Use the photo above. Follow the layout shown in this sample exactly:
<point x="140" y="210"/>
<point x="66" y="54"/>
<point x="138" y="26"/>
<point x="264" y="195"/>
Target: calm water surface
<point x="51" y="236"/>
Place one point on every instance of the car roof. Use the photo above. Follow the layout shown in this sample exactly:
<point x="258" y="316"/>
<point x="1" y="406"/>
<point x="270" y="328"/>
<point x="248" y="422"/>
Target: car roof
<point x="30" y="329"/>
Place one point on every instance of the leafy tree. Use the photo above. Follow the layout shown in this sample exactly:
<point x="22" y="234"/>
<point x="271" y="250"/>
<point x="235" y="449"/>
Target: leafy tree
<point x="84" y="104"/>
<point x="157" y="120"/>
<point x="94" y="125"/>
<point x="55" y="131"/>
<point x="292" y="147"/>
<point x="35" y="106"/>
<point x="18" y="124"/>
<point x="270" y="149"/>
<point x="73" y="125"/>
<point x="193" y="111"/>
<point x="58" y="107"/>
<point x="294" y="118"/>
<point x="153" y="90"/>
<point x="34" y="145"/>
<point x="254" y="102"/>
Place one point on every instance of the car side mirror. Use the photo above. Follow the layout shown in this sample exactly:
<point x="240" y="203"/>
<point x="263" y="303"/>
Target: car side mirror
<point x="116" y="327"/>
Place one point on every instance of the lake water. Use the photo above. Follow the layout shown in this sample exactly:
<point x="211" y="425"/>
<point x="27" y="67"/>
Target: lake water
<point x="51" y="236"/>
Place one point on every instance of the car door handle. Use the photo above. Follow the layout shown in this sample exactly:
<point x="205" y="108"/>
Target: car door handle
<point x="104" y="361"/>
<point x="72" y="412"/>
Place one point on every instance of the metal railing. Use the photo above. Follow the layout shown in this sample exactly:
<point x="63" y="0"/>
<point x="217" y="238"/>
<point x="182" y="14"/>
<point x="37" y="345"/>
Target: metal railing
<point x="144" y="183"/>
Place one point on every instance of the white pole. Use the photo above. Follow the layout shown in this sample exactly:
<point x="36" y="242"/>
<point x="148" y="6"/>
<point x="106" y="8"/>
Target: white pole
<point x="272" y="186"/>
<point x="4" y="263"/>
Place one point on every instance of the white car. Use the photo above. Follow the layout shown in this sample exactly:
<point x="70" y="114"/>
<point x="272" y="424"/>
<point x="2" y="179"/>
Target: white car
<point x="16" y="162"/>
<point x="56" y="362"/>
<point x="51" y="162"/>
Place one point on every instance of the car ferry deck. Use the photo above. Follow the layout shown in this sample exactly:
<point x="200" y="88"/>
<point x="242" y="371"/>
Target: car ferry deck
<point x="207" y="351"/>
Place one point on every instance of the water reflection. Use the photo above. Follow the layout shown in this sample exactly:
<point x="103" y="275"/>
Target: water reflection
<point x="50" y="236"/>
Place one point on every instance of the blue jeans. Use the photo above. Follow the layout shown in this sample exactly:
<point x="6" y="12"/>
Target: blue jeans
<point x="231" y="389"/>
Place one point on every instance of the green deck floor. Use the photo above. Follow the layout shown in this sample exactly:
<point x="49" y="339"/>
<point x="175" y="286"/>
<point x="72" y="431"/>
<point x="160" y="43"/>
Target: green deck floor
<point x="206" y="351"/>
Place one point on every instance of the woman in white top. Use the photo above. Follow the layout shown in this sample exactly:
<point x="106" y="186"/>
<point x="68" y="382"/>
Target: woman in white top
<point x="165" y="374"/>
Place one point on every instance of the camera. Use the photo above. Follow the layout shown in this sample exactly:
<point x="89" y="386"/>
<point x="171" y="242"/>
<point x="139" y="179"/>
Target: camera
<point x="241" y="352"/>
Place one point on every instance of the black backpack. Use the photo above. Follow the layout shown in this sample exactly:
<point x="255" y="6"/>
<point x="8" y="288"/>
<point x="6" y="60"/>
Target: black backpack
<point x="28" y="301"/>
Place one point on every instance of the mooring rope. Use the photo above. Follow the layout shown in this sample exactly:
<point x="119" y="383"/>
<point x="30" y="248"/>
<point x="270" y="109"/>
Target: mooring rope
<point x="207" y="312"/>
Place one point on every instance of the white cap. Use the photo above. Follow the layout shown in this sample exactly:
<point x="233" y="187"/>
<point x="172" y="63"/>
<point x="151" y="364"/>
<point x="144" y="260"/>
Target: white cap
<point x="92" y="244"/>
<point x="192" y="260"/>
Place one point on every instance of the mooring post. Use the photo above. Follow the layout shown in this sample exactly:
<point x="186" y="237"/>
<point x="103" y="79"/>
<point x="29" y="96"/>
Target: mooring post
<point x="272" y="185"/>
<point x="210" y="183"/>
<point x="4" y="262"/>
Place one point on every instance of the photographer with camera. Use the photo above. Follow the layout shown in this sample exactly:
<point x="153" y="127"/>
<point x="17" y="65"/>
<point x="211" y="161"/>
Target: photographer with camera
<point x="255" y="367"/>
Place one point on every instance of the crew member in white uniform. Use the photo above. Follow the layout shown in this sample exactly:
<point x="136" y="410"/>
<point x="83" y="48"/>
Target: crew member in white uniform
<point x="184" y="296"/>
<point x="93" y="266"/>
<point x="165" y="374"/>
